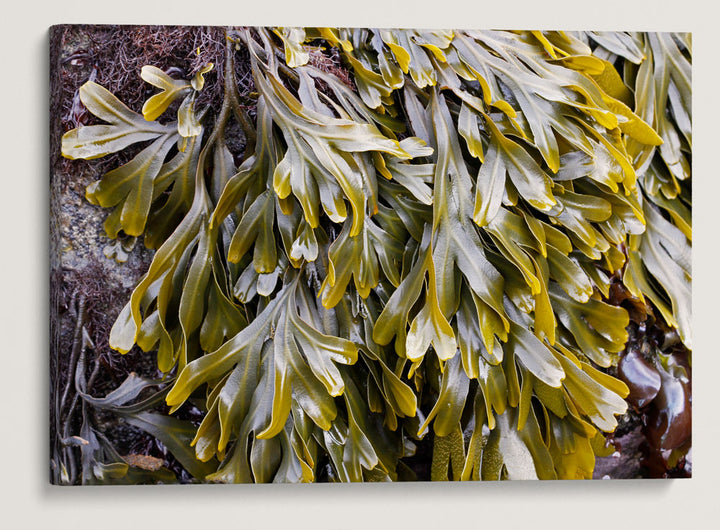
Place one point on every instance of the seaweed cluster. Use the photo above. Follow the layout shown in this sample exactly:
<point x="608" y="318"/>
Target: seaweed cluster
<point x="395" y="244"/>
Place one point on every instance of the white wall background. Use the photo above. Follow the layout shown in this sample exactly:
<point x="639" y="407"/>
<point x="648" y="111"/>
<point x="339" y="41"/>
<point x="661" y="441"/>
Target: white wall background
<point x="28" y="501"/>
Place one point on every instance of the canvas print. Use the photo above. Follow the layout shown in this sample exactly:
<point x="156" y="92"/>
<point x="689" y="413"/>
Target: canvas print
<point x="284" y="255"/>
